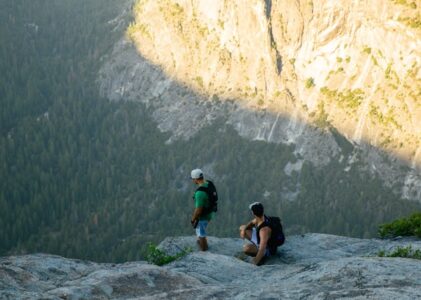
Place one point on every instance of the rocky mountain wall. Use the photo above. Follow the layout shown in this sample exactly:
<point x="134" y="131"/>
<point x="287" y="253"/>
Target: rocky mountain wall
<point x="284" y="72"/>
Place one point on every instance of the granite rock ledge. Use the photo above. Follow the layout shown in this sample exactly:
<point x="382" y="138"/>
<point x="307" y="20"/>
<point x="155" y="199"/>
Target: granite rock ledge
<point x="310" y="266"/>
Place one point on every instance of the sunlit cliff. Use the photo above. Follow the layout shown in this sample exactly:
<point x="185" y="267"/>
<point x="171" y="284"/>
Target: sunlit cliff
<point x="325" y="76"/>
<point x="353" y="65"/>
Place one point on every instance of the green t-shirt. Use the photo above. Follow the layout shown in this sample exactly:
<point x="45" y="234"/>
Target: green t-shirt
<point x="201" y="199"/>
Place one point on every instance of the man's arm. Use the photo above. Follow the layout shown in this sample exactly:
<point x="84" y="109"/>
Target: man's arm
<point x="199" y="203"/>
<point x="196" y="213"/>
<point x="248" y="226"/>
<point x="264" y="234"/>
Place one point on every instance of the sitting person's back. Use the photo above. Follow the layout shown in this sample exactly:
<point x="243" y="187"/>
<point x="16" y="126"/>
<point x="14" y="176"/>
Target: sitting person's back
<point x="264" y="233"/>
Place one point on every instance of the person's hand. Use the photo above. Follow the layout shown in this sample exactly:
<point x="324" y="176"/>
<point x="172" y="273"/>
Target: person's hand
<point x="194" y="223"/>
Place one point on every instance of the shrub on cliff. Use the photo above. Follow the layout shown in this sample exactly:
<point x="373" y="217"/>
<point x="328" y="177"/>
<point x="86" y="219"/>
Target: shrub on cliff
<point x="410" y="226"/>
<point x="406" y="252"/>
<point x="159" y="257"/>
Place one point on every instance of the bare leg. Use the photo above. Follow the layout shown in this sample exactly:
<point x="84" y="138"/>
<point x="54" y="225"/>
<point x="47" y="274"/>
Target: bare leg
<point x="203" y="243"/>
<point x="248" y="249"/>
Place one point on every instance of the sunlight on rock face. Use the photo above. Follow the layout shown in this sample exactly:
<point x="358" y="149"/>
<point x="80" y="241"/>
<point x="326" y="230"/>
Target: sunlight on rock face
<point x="350" y="65"/>
<point x="214" y="47"/>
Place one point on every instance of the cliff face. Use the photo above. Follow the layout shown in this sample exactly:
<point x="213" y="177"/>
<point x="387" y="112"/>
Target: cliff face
<point x="282" y="71"/>
<point x="312" y="266"/>
<point x="353" y="61"/>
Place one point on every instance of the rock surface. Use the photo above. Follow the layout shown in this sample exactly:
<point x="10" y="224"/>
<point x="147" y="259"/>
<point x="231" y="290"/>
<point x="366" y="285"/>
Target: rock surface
<point x="282" y="72"/>
<point x="311" y="266"/>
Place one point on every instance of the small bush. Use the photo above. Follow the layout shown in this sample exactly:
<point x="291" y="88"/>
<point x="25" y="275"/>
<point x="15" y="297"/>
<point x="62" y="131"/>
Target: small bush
<point x="321" y="117"/>
<point x="402" y="227"/>
<point x="412" y="22"/>
<point x="309" y="83"/>
<point x="199" y="81"/>
<point x="406" y="252"/>
<point x="412" y="5"/>
<point x="367" y="50"/>
<point x="401" y="2"/>
<point x="346" y="99"/>
<point x="159" y="257"/>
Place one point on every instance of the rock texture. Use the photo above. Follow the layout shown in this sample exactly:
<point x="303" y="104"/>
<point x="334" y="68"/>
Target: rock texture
<point x="283" y="72"/>
<point x="354" y="64"/>
<point x="311" y="266"/>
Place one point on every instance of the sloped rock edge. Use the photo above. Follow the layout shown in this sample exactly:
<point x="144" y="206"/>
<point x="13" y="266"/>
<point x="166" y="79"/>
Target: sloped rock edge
<point x="311" y="266"/>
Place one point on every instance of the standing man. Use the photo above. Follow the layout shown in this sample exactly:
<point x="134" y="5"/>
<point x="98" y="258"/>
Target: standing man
<point x="205" y="198"/>
<point x="260" y="233"/>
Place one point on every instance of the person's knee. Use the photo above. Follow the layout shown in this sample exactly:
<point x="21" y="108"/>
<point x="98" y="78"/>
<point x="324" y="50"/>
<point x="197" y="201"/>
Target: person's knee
<point x="249" y="249"/>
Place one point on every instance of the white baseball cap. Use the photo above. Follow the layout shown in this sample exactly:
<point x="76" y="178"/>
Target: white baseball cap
<point x="196" y="174"/>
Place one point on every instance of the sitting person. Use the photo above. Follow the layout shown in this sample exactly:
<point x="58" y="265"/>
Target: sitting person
<point x="264" y="233"/>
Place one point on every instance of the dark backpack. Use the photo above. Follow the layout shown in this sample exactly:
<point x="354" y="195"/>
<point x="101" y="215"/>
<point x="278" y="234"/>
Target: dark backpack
<point x="277" y="237"/>
<point x="212" y="197"/>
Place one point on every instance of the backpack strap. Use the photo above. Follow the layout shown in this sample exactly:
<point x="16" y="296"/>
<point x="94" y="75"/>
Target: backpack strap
<point x="207" y="191"/>
<point x="212" y="194"/>
<point x="203" y="189"/>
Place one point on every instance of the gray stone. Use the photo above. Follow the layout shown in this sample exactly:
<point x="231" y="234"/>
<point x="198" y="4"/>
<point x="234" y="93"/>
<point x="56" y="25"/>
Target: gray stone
<point x="310" y="266"/>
